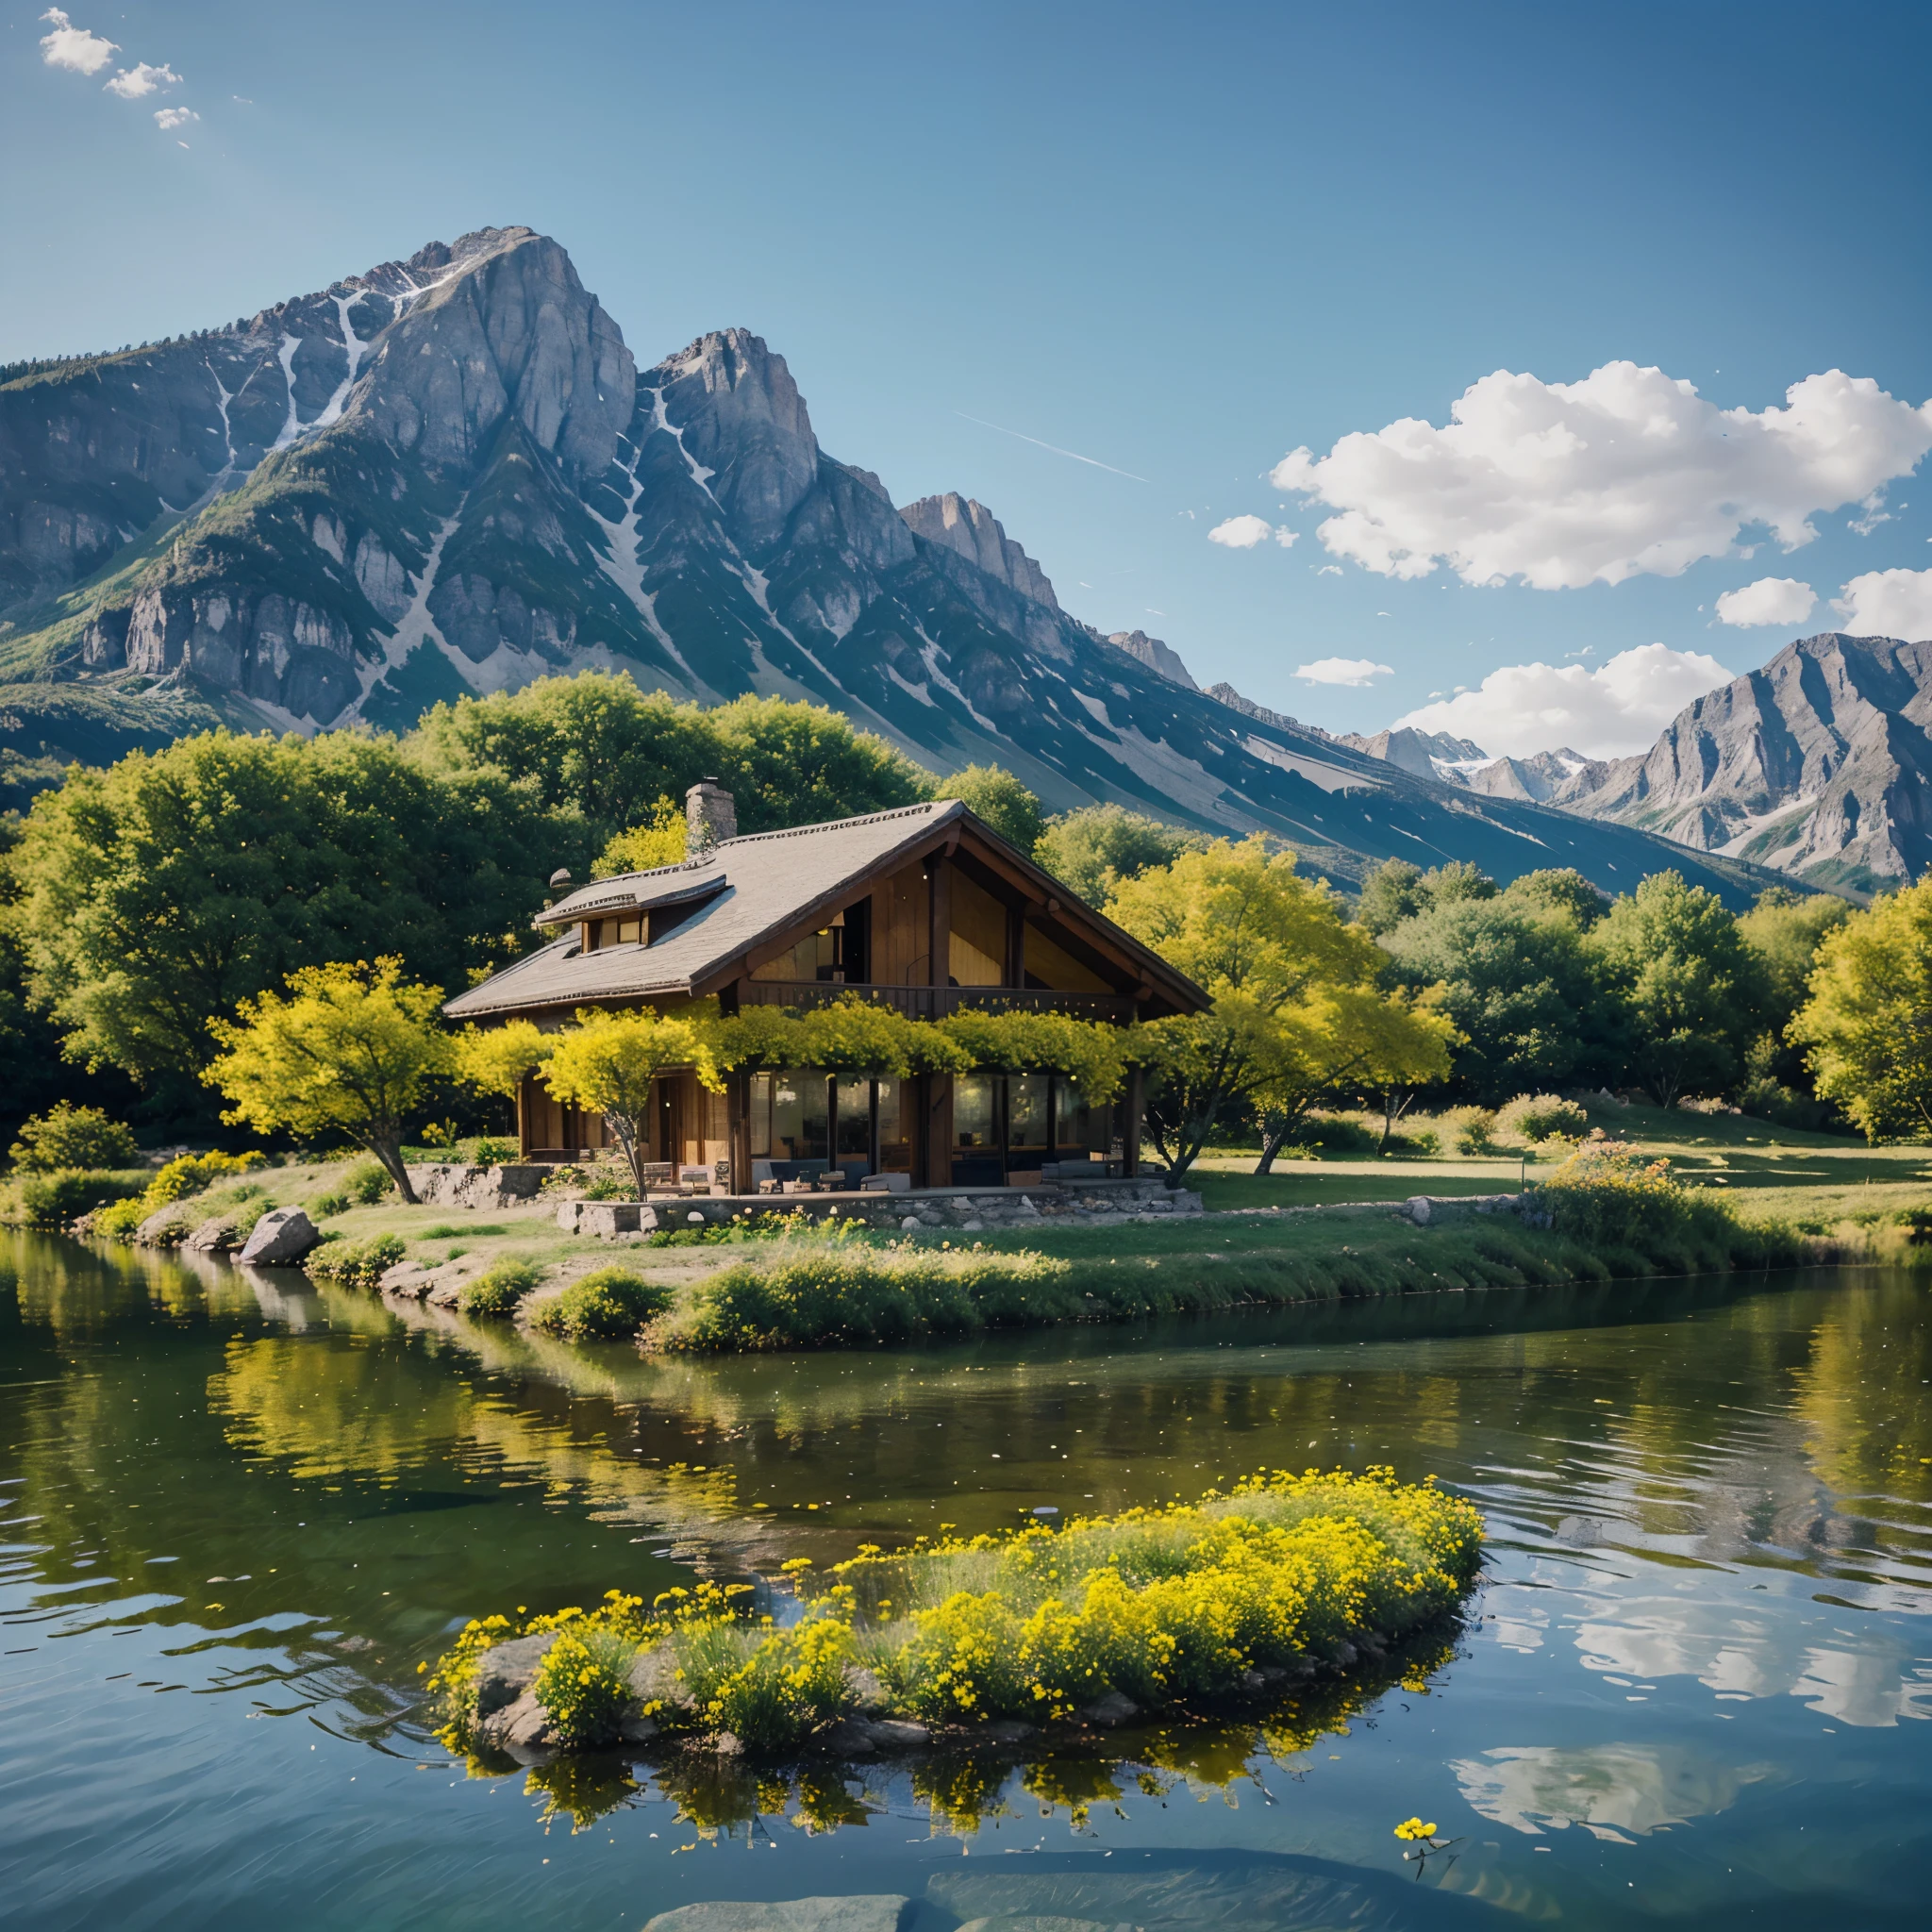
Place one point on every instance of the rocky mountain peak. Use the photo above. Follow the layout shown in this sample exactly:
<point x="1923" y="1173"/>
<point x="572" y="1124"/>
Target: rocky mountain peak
<point x="970" y="529"/>
<point x="745" y="423"/>
<point x="1160" y="657"/>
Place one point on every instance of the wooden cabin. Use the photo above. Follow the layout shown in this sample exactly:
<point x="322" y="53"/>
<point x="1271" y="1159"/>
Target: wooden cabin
<point x="925" y="907"/>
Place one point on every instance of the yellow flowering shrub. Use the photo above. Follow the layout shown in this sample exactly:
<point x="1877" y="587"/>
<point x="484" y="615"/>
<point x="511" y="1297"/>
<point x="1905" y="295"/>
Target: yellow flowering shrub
<point x="1170" y="1606"/>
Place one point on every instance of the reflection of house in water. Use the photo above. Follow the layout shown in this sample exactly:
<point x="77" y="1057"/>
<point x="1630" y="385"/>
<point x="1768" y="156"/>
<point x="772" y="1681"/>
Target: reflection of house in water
<point x="924" y="910"/>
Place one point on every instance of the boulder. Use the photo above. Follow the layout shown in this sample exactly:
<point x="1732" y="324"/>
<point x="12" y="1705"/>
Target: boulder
<point x="897" y="1734"/>
<point x="282" y="1235"/>
<point x="506" y="1670"/>
<point x="653" y="1679"/>
<point x="1418" y="1210"/>
<point x="1111" y="1709"/>
<point x="864" y="1687"/>
<point x="519" y="1729"/>
<point x="217" y="1235"/>
<point x="848" y="1738"/>
<point x="166" y="1228"/>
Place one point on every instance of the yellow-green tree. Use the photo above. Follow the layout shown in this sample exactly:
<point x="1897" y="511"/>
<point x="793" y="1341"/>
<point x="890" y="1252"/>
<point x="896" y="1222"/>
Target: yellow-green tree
<point x="348" y="1049"/>
<point x="661" y="840"/>
<point x="1297" y="1006"/>
<point x="1868" y="1022"/>
<point x="607" y="1062"/>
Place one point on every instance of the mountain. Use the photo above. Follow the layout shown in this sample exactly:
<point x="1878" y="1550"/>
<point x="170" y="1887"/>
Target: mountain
<point x="1818" y="765"/>
<point x="450" y="476"/>
<point x="1157" y="656"/>
<point x="1428" y="754"/>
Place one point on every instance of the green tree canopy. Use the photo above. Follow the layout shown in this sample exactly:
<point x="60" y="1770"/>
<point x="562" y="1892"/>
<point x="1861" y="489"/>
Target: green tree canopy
<point x="1867" y="1019"/>
<point x="1396" y="891"/>
<point x="157" y="895"/>
<point x="608" y="1062"/>
<point x="1000" y="799"/>
<point x="1561" y="890"/>
<point x="348" y="1049"/>
<point x="1095" y="849"/>
<point x="1521" y="989"/>
<point x="1672" y="956"/>
<point x="595" y="746"/>
<point x="1295" y="993"/>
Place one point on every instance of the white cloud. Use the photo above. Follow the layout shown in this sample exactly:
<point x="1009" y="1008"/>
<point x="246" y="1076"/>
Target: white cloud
<point x="1888" y="604"/>
<point x="1564" y="484"/>
<point x="1329" y="569"/>
<point x="73" y="48"/>
<point x="1356" y="670"/>
<point x="1244" y="533"/>
<point x="167" y="119"/>
<point x="136" y="83"/>
<point x="1770" y="600"/>
<point x="1610" y="712"/>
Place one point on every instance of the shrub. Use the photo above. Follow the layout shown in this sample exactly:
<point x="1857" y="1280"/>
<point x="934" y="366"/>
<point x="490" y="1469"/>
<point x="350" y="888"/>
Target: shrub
<point x="1335" y="1133"/>
<point x="583" y="1683"/>
<point x="354" y="1264"/>
<point x="1469" y="1129"/>
<point x="1172" y="1605"/>
<point x="324" y="1205"/>
<point x="611" y="1302"/>
<point x="50" y="1200"/>
<point x="1607" y="1194"/>
<point x="499" y="1290"/>
<point x="1538" y="1116"/>
<point x="490" y="1150"/>
<point x="819" y="1293"/>
<point x="367" y="1182"/>
<point x="73" y="1137"/>
<point x="118" y="1221"/>
<point x="189" y="1174"/>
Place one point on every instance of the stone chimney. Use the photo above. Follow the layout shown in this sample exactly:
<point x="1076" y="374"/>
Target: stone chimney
<point x="710" y="817"/>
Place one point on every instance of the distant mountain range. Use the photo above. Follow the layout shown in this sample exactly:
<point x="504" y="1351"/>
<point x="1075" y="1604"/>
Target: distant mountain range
<point x="1818" y="766"/>
<point x="449" y="476"/>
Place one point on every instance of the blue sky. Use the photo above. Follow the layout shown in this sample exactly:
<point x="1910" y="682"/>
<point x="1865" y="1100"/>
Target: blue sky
<point x="1179" y="241"/>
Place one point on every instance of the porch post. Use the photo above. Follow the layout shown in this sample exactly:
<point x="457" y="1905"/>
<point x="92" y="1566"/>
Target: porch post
<point x="938" y="1134"/>
<point x="1130" y="1131"/>
<point x="737" y="1106"/>
<point x="525" y="1108"/>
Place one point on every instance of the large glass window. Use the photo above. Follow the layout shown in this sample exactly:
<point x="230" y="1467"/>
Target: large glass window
<point x="1078" y="1127"/>
<point x="973" y="1122"/>
<point x="800" y="1116"/>
<point x="854" y="1116"/>
<point x="1025" y="1119"/>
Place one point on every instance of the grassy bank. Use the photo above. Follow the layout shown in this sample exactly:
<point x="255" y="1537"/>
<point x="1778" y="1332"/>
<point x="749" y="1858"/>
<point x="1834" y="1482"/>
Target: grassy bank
<point x="1228" y="1600"/>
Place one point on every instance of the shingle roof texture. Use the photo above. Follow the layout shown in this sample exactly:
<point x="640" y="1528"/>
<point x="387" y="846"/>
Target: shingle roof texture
<point x="770" y="881"/>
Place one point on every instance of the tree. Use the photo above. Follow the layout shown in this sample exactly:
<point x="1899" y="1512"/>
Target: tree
<point x="1784" y="930"/>
<point x="1092" y="849"/>
<point x="608" y="1062"/>
<point x="1519" y="987"/>
<point x="1672" y="957"/>
<point x="1559" y="890"/>
<point x="348" y="1050"/>
<point x="158" y="893"/>
<point x="661" y="840"/>
<point x="1396" y="891"/>
<point x="70" y="1136"/>
<point x="595" y="747"/>
<point x="995" y="795"/>
<point x="1284" y="973"/>
<point x="1866" y="1022"/>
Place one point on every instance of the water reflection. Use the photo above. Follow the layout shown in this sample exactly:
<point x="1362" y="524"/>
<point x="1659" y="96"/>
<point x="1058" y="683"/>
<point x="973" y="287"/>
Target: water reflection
<point x="1711" y="1559"/>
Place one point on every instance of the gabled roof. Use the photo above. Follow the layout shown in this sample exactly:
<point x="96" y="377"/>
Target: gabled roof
<point x="753" y="892"/>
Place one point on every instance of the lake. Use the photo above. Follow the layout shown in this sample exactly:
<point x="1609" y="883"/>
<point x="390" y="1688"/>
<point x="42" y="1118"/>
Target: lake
<point x="236" y="1514"/>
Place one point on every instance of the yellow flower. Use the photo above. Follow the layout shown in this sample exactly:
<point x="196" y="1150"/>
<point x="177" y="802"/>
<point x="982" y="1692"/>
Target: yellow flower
<point x="1413" y="1829"/>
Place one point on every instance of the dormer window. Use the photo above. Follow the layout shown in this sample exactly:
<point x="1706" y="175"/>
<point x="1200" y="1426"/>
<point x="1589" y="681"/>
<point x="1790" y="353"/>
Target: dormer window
<point x="599" y="933"/>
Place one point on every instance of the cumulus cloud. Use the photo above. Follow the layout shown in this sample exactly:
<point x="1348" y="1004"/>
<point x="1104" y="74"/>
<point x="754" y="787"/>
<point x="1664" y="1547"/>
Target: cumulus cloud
<point x="168" y="118"/>
<point x="1356" y="670"/>
<point x="1627" y="471"/>
<point x="73" y="48"/>
<point x="1770" y="600"/>
<point x="1244" y="533"/>
<point x="136" y="83"/>
<point x="1610" y="712"/>
<point x="1888" y="604"/>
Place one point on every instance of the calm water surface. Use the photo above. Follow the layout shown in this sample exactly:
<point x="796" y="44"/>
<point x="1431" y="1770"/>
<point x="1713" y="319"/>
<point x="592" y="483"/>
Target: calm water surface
<point x="235" y="1515"/>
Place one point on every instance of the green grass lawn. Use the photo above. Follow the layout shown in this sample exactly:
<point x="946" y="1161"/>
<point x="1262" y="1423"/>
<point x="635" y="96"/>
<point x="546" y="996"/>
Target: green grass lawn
<point x="1816" y="1180"/>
